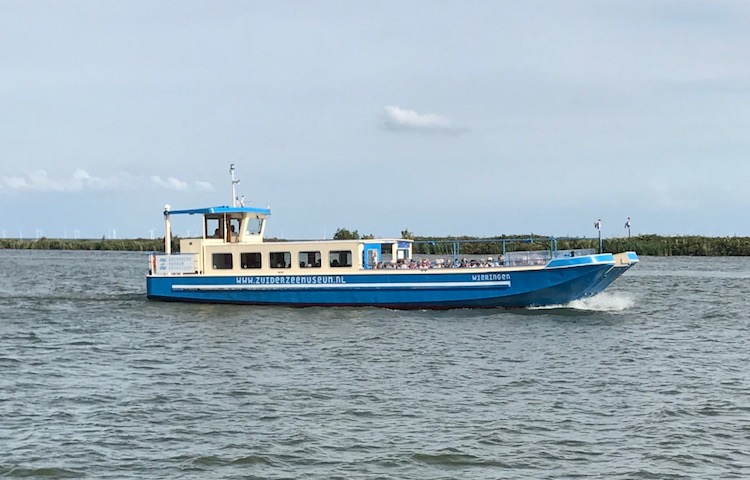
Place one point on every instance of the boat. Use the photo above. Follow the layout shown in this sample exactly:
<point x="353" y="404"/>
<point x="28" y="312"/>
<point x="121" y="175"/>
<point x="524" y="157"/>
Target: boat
<point x="231" y="262"/>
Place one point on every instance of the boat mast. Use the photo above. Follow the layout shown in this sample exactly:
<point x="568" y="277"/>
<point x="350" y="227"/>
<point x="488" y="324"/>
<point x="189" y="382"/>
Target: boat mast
<point x="234" y="183"/>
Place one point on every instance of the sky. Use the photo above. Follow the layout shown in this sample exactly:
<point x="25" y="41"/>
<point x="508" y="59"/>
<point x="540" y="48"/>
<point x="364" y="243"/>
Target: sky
<point x="438" y="117"/>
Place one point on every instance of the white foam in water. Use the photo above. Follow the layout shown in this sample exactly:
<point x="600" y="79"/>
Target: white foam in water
<point x="604" y="302"/>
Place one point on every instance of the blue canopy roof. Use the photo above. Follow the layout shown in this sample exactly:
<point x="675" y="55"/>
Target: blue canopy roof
<point x="221" y="210"/>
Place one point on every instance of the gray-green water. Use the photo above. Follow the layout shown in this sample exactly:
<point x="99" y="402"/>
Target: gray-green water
<point x="649" y="381"/>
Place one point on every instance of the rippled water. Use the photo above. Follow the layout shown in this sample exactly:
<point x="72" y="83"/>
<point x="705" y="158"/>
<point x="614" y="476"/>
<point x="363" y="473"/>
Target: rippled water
<point x="649" y="380"/>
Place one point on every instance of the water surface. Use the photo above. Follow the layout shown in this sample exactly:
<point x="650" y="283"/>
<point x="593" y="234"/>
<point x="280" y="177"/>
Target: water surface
<point x="648" y="380"/>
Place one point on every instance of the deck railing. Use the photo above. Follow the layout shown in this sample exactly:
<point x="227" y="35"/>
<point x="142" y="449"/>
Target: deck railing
<point x="530" y="250"/>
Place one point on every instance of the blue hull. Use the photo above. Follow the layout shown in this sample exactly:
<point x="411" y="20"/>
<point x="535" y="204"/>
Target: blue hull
<point x="615" y="273"/>
<point x="560" y="282"/>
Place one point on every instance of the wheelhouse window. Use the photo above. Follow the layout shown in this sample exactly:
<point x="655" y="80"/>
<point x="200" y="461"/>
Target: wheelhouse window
<point x="213" y="228"/>
<point x="254" y="226"/>
<point x="309" y="259"/>
<point x="222" y="226"/>
<point x="340" y="258"/>
<point x="222" y="261"/>
<point x="250" y="260"/>
<point x="234" y="229"/>
<point x="280" y="259"/>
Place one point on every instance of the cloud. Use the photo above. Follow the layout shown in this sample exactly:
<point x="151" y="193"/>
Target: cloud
<point x="13" y="183"/>
<point x="170" y="183"/>
<point x="80" y="180"/>
<point x="399" y="119"/>
<point x="204" y="186"/>
<point x="39" y="181"/>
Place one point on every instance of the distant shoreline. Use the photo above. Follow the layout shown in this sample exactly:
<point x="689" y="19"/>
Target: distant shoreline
<point x="132" y="244"/>
<point x="648" y="245"/>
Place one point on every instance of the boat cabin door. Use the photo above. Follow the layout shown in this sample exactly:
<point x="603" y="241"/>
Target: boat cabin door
<point x="371" y="256"/>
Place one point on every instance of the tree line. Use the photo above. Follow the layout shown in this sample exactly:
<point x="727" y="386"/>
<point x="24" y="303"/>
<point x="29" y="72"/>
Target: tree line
<point x="656" y="245"/>
<point x="649" y="244"/>
<point x="132" y="244"/>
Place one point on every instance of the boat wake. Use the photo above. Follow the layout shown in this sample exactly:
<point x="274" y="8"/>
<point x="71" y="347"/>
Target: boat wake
<point x="603" y="302"/>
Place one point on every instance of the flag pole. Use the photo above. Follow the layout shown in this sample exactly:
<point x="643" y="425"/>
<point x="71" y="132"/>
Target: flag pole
<point x="598" y="226"/>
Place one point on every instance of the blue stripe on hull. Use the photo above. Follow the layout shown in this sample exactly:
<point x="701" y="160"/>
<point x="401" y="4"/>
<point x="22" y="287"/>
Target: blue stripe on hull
<point x="558" y="285"/>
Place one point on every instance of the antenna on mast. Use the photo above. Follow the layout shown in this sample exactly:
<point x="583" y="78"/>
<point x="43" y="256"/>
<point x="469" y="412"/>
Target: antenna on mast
<point x="234" y="182"/>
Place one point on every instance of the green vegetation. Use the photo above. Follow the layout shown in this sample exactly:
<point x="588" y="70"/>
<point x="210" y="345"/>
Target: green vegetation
<point x="655" y="245"/>
<point x="132" y="244"/>
<point x="344" y="234"/>
<point x="692" y="245"/>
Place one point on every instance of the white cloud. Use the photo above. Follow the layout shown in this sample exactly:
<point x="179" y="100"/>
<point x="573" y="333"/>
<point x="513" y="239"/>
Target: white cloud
<point x="14" y="183"/>
<point x="38" y="180"/>
<point x="204" y="186"/>
<point x="170" y="183"/>
<point x="80" y="180"/>
<point x="403" y="120"/>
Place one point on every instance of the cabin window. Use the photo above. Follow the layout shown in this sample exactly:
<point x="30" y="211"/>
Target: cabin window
<point x="340" y="258"/>
<point x="281" y="260"/>
<point x="222" y="261"/>
<point x="250" y="260"/>
<point x="213" y="228"/>
<point x="386" y="252"/>
<point x="234" y="229"/>
<point x="253" y="226"/>
<point x="309" y="259"/>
